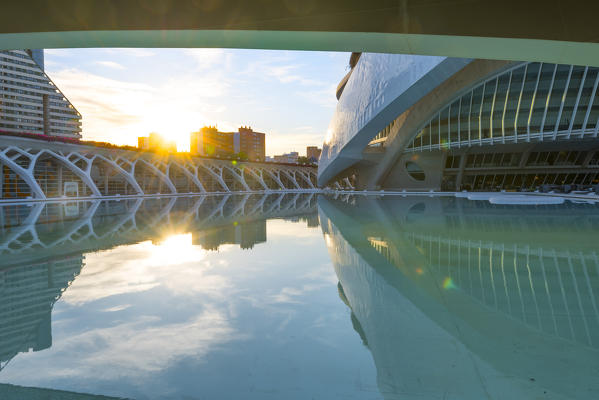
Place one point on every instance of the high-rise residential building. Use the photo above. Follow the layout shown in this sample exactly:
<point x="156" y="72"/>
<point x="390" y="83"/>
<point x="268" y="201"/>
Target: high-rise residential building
<point x="313" y="153"/>
<point x="245" y="140"/>
<point x="29" y="101"/>
<point x="209" y="141"/>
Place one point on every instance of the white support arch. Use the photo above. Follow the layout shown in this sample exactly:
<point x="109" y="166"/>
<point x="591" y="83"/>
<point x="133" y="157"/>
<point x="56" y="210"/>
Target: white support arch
<point x="158" y="173"/>
<point x="306" y="178"/>
<point x="275" y="177"/>
<point x="238" y="176"/>
<point x="83" y="175"/>
<point x="25" y="174"/>
<point x="258" y="177"/>
<point x="291" y="178"/>
<point x="129" y="176"/>
<point x="216" y="176"/>
<point x="115" y="172"/>
<point x="191" y="176"/>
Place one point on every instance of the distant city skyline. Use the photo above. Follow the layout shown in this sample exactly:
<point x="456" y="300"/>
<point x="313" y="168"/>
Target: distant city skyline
<point x="123" y="94"/>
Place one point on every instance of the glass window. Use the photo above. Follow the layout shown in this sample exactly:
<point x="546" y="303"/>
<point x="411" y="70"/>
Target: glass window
<point x="415" y="171"/>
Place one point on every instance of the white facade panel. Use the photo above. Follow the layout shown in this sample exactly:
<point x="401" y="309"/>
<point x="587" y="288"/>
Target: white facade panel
<point x="381" y="87"/>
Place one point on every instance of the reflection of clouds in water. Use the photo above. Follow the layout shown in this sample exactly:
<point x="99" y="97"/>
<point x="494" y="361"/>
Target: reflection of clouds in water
<point x="135" y="348"/>
<point x="143" y="344"/>
<point x="292" y="294"/>
<point x="143" y="266"/>
<point x="147" y="320"/>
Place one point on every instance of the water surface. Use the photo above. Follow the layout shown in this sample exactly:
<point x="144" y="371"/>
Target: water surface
<point x="299" y="296"/>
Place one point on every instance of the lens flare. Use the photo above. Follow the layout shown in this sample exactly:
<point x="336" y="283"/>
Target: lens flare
<point x="448" y="284"/>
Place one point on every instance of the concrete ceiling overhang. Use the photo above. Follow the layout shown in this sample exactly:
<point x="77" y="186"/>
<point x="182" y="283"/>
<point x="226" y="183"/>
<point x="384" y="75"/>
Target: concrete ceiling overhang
<point x="551" y="30"/>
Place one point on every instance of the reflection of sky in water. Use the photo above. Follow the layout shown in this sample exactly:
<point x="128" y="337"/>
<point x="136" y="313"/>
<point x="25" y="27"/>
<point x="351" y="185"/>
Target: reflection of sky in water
<point x="171" y="319"/>
<point x="406" y="297"/>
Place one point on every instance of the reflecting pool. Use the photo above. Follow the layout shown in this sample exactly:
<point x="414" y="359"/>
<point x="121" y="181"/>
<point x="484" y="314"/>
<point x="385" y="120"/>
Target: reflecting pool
<point x="299" y="296"/>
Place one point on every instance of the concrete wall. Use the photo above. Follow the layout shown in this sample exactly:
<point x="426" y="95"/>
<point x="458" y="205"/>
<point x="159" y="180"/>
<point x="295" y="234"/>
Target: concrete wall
<point x="431" y="164"/>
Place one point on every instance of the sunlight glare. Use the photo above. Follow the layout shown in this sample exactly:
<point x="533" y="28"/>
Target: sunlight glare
<point x="175" y="249"/>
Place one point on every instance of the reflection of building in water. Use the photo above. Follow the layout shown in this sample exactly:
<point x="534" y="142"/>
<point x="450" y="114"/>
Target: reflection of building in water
<point x="13" y="392"/>
<point x="455" y="302"/>
<point x="245" y="234"/>
<point x="36" y="230"/>
<point x="27" y="295"/>
<point x="41" y="247"/>
<point x="312" y="221"/>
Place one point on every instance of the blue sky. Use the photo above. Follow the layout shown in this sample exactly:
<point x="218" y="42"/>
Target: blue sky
<point x="126" y="93"/>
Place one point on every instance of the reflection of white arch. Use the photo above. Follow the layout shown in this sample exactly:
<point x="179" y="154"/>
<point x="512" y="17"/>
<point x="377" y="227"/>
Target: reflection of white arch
<point x="83" y="229"/>
<point x="84" y="221"/>
<point x="123" y="221"/>
<point x="218" y="209"/>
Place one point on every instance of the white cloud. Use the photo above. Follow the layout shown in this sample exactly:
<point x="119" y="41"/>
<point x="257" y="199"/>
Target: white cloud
<point x="190" y="88"/>
<point x="120" y="111"/>
<point x="110" y="64"/>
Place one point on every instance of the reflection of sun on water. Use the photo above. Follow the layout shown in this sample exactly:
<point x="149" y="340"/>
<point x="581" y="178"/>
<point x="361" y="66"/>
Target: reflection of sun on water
<point x="175" y="249"/>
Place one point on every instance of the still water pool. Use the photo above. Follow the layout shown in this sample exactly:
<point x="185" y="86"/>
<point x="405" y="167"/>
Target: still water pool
<point x="299" y="296"/>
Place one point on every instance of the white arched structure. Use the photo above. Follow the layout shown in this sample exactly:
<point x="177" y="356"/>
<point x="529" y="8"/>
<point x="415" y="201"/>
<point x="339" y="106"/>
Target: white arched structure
<point x="44" y="170"/>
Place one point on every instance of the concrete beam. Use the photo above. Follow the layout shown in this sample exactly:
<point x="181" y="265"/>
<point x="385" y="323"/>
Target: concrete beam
<point x="549" y="31"/>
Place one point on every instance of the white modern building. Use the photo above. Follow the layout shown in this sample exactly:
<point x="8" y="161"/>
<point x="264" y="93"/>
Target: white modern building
<point x="29" y="101"/>
<point x="407" y="122"/>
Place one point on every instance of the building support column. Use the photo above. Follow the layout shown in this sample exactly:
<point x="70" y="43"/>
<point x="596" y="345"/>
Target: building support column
<point x="458" y="180"/>
<point x="59" y="180"/>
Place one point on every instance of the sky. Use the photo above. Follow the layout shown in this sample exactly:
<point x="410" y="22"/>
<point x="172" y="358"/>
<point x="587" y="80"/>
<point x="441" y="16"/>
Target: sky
<point x="126" y="93"/>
